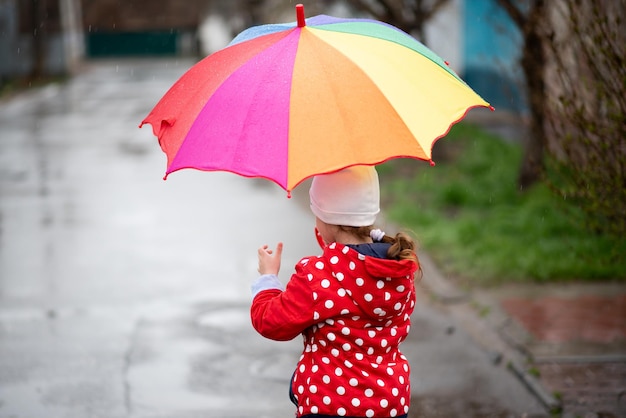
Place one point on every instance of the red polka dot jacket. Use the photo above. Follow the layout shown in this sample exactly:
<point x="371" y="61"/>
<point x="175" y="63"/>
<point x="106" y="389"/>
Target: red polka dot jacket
<point x="353" y="312"/>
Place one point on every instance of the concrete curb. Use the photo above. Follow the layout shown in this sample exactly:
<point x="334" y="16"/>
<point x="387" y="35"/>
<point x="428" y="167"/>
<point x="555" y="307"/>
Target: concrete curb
<point x="486" y="330"/>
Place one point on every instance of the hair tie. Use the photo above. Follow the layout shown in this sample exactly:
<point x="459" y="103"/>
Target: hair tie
<point x="377" y="235"/>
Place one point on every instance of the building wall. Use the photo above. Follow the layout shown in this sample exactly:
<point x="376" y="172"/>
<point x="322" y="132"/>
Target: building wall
<point x="492" y="48"/>
<point x="141" y="27"/>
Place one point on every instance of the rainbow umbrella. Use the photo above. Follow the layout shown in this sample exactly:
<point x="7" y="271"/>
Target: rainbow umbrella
<point x="288" y="101"/>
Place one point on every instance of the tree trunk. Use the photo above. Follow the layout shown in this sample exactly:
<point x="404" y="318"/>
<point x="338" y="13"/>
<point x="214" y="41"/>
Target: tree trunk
<point x="534" y="64"/>
<point x="39" y="50"/>
<point x="532" y="23"/>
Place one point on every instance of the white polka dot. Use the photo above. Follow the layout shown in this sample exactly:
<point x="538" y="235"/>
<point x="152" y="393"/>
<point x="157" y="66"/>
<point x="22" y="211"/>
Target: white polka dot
<point x="364" y="373"/>
<point x="381" y="383"/>
<point x="368" y="297"/>
<point x="359" y="356"/>
<point x="371" y="333"/>
<point x="301" y="409"/>
<point x="325" y="283"/>
<point x="341" y="292"/>
<point x="401" y="379"/>
<point x="406" y="409"/>
<point x="384" y="403"/>
<point x="323" y="343"/>
<point x="369" y="393"/>
<point x="326" y="379"/>
<point x="400" y="288"/>
<point x="345" y="311"/>
<point x="378" y="311"/>
<point x="316" y="316"/>
<point x="358" y="342"/>
<point x="332" y="246"/>
<point x="393" y="413"/>
<point x="319" y="265"/>
<point x="326" y="400"/>
<point x="340" y="276"/>
<point x="356" y="402"/>
<point x="330" y="321"/>
<point x="345" y="331"/>
<point x="304" y="261"/>
<point x="334" y="352"/>
<point x="369" y="413"/>
<point x="301" y="389"/>
<point x="346" y="347"/>
<point x="341" y="412"/>
<point x="309" y="276"/>
<point x="389" y="371"/>
<point x="393" y="331"/>
<point x="387" y="295"/>
<point x="353" y="382"/>
<point x="379" y="359"/>
<point x="331" y="336"/>
<point x="338" y="371"/>
<point x="302" y="368"/>
<point x="351" y="266"/>
<point x="345" y="250"/>
<point x="314" y="409"/>
<point x="397" y="306"/>
<point x="402" y="401"/>
<point x="394" y="391"/>
<point x="314" y="295"/>
<point x="313" y="389"/>
<point x="360" y="281"/>
<point x="348" y="364"/>
<point x="361" y="257"/>
<point x="370" y="351"/>
<point x="329" y="304"/>
<point x="325" y="360"/>
<point x="383" y="343"/>
<point x="334" y="260"/>
<point x="341" y="390"/>
<point x="380" y="284"/>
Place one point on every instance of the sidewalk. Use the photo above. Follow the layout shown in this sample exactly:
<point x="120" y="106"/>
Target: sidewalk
<point x="567" y="342"/>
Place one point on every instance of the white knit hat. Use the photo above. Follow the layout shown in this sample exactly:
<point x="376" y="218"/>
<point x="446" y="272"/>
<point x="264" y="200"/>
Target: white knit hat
<point x="350" y="197"/>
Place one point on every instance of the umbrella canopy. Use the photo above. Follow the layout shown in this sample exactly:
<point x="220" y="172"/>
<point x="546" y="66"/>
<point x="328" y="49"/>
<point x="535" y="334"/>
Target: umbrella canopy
<point x="288" y="101"/>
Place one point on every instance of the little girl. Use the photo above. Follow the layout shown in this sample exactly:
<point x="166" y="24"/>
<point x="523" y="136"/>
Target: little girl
<point x="352" y="305"/>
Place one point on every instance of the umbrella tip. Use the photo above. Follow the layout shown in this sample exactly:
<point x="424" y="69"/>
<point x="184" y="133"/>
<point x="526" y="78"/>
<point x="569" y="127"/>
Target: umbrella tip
<point x="300" y="15"/>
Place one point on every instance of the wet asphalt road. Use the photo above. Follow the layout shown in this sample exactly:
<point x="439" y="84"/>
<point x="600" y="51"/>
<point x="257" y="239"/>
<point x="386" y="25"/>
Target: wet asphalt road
<point x="123" y="295"/>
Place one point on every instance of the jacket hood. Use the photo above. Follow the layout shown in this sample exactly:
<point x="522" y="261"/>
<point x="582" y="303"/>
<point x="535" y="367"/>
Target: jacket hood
<point x="382" y="288"/>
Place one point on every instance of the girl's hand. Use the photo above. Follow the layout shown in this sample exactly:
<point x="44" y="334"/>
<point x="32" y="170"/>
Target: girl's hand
<point x="269" y="260"/>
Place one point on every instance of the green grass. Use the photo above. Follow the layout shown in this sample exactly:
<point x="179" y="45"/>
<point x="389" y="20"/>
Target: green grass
<point x="469" y="215"/>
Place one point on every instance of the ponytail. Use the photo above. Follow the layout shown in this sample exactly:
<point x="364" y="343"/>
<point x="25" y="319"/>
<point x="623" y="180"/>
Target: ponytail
<point x="403" y="247"/>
